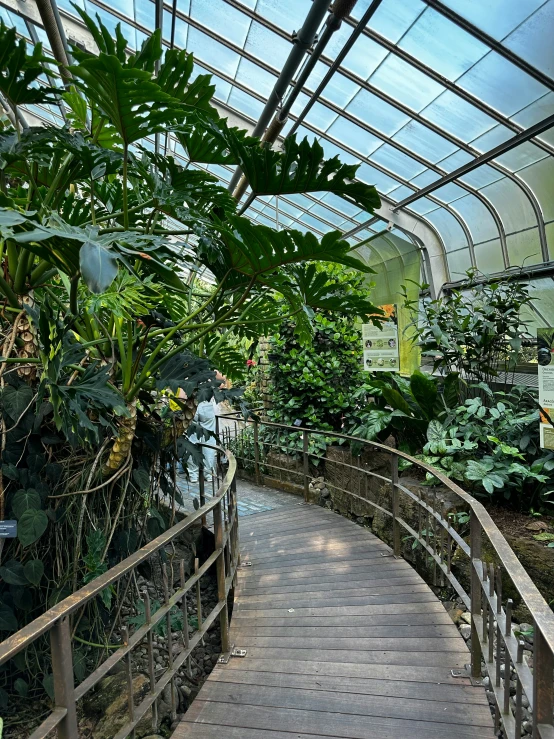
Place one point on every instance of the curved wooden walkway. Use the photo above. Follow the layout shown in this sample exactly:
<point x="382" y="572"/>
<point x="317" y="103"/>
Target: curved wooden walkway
<point x="342" y="640"/>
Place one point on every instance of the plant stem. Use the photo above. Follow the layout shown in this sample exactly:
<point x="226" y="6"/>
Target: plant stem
<point x="9" y="293"/>
<point x="39" y="270"/>
<point x="125" y="210"/>
<point x="73" y="300"/>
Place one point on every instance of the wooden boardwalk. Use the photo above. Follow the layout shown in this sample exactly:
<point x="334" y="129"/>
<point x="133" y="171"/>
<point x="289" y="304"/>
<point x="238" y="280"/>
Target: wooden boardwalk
<point x="342" y="640"/>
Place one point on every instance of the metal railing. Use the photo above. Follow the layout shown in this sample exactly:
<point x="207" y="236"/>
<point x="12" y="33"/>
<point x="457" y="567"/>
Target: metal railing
<point x="60" y="622"/>
<point x="281" y="456"/>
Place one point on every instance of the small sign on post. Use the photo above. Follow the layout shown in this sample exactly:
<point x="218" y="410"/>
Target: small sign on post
<point x="545" y="352"/>
<point x="8" y="529"/>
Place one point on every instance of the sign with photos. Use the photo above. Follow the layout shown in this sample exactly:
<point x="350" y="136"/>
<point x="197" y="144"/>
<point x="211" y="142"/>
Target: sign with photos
<point x="545" y="357"/>
<point x="380" y="344"/>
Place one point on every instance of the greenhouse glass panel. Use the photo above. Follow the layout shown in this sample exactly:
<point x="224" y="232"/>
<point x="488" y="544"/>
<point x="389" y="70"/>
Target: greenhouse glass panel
<point x="354" y="137"/>
<point x="321" y="117"/>
<point x="288" y="14"/>
<point x="477" y="217"/>
<point x="459" y="262"/>
<point x="245" y="103"/>
<point x="449" y="228"/>
<point x="442" y="46"/>
<point x="267" y="46"/>
<point x="514" y="209"/>
<point x="254" y="77"/>
<point x="392" y="20"/>
<point x="450" y="192"/>
<point x="365" y="57"/>
<point x="496" y="17"/>
<point x="458" y="117"/>
<point x="397" y="162"/>
<point x="531" y="42"/>
<point x="212" y="52"/>
<point x="501" y="84"/>
<point x="377" y="113"/>
<point x="488" y="257"/>
<point x="540" y="177"/>
<point x="425" y="178"/>
<point x="405" y="83"/>
<point x="524" y="249"/>
<point x="339" y="90"/>
<point x="420" y="140"/>
<point x="372" y="176"/>
<point x="227" y="22"/>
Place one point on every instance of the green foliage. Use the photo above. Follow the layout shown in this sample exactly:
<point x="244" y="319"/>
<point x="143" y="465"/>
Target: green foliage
<point x="176" y="618"/>
<point x="399" y="406"/>
<point x="476" y="331"/>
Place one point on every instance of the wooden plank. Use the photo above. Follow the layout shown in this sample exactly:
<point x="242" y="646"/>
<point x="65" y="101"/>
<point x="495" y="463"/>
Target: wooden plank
<point x="431" y="631"/>
<point x="347" y="644"/>
<point x="371" y="560"/>
<point x="422" y="675"/>
<point x="398" y="620"/>
<point x="296" y="600"/>
<point x="300" y="531"/>
<point x="327" y="701"/>
<point x="321" y="542"/>
<point x="366" y="609"/>
<point x="451" y="660"/>
<point x="431" y="691"/>
<point x="336" y="573"/>
<point x="340" y="726"/>
<point x="408" y="578"/>
<point x="211" y="731"/>
<point x="321" y="551"/>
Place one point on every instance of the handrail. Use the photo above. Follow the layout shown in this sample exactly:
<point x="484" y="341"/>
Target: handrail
<point x="57" y="619"/>
<point x="491" y="621"/>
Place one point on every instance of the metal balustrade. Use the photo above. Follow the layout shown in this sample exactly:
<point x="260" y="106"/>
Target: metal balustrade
<point x="259" y="447"/>
<point x="61" y="621"/>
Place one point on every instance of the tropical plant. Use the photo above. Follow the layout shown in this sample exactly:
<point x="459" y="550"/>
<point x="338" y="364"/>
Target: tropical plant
<point x="476" y="331"/>
<point x="127" y="273"/>
<point x="392" y="404"/>
<point x="494" y="447"/>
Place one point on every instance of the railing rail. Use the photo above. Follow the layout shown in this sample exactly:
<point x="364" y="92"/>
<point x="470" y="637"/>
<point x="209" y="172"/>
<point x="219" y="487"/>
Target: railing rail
<point x="492" y="631"/>
<point x="57" y="621"/>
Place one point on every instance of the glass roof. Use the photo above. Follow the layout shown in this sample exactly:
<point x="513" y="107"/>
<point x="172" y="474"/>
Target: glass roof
<point x="426" y="88"/>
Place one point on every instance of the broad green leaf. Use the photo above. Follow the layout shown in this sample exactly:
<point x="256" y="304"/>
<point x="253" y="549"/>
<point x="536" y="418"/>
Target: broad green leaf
<point x="8" y="621"/>
<point x="48" y="685"/>
<point x="25" y="500"/>
<point x="21" y="687"/>
<point x="16" y="400"/>
<point x="300" y="168"/>
<point x="31" y="526"/>
<point x="133" y="103"/>
<point x="255" y="250"/>
<point x="424" y="390"/>
<point x="19" y="71"/>
<point x="34" y="570"/>
<point x="396" y="401"/>
<point x="13" y="573"/>
<point x="98" y="266"/>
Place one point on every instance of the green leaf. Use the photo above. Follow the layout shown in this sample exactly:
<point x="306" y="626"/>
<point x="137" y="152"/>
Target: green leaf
<point x="424" y="390"/>
<point x="300" y="168"/>
<point x="31" y="526"/>
<point x="48" y="685"/>
<point x="142" y="479"/>
<point x="25" y="500"/>
<point x="98" y="266"/>
<point x="8" y="621"/>
<point x="395" y="400"/>
<point x="255" y="250"/>
<point x="131" y="100"/>
<point x="34" y="570"/>
<point x="21" y="687"/>
<point x="15" y="400"/>
<point x="20" y="71"/>
<point x="544" y="536"/>
<point x="13" y="573"/>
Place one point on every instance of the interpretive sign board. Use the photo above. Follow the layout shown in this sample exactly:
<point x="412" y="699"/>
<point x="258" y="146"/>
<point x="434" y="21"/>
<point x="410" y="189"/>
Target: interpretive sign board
<point x="380" y="344"/>
<point x="545" y="346"/>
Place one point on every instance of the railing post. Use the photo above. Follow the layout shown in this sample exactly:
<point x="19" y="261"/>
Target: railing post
<point x="543" y="687"/>
<point x="396" y="546"/>
<point x="475" y="557"/>
<point x="257" y="453"/>
<point x="62" y="670"/>
<point x="306" y="464"/>
<point x="220" y="568"/>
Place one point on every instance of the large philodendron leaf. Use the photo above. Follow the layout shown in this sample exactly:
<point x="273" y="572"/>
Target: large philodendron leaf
<point x="300" y="168"/>
<point x="98" y="266"/>
<point x="255" y="250"/>
<point x="19" y="70"/>
<point x="133" y="103"/>
<point x="174" y="78"/>
<point x="320" y="290"/>
<point x="205" y="141"/>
